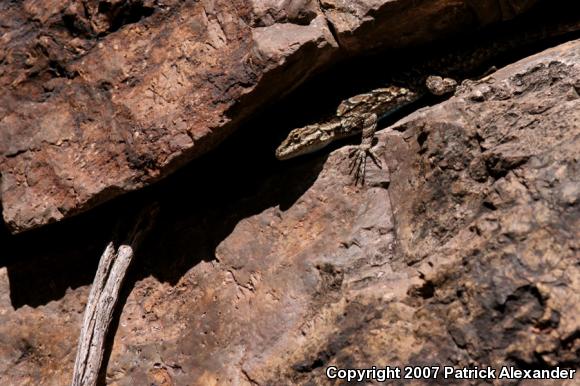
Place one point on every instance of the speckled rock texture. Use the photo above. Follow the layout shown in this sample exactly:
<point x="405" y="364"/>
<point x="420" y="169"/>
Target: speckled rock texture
<point x="462" y="250"/>
<point x="98" y="98"/>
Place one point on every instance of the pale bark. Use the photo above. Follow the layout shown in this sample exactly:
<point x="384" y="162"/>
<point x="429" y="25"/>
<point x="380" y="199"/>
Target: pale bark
<point x="99" y="313"/>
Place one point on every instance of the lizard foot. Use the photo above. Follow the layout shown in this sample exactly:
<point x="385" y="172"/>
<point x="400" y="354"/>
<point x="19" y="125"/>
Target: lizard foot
<point x="358" y="164"/>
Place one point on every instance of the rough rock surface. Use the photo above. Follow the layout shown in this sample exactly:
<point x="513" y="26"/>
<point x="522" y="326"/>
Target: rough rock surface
<point x="463" y="252"/>
<point x="100" y="98"/>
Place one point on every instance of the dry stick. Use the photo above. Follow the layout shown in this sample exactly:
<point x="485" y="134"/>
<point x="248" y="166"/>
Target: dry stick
<point x="99" y="313"/>
<point x="103" y="298"/>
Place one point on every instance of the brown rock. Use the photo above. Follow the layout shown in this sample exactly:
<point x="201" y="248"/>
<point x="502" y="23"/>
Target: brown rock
<point x="101" y="98"/>
<point x="469" y="257"/>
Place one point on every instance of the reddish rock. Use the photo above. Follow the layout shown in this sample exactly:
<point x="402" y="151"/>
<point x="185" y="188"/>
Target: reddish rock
<point x="462" y="251"/>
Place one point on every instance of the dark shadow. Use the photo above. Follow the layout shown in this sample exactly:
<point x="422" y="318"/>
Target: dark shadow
<point x="43" y="264"/>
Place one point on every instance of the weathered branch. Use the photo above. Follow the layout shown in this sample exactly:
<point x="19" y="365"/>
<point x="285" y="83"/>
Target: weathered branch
<point x="99" y="313"/>
<point x="103" y="298"/>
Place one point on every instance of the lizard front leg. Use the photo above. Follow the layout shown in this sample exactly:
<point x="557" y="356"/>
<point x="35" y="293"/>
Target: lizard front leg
<point x="364" y="150"/>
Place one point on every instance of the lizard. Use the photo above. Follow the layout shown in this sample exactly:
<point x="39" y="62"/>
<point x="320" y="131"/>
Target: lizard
<point x="360" y="113"/>
<point x="356" y="115"/>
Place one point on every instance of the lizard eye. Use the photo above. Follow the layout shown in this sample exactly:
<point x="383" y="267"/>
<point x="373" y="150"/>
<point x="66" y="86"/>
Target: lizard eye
<point x="293" y="138"/>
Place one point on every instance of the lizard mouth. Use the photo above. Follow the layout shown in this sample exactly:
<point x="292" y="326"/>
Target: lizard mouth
<point x="286" y="151"/>
<point x="306" y="140"/>
<point x="282" y="154"/>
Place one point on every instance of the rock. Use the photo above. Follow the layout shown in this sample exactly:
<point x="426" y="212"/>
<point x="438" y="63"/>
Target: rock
<point x="101" y="98"/>
<point x="463" y="251"/>
<point x="494" y="240"/>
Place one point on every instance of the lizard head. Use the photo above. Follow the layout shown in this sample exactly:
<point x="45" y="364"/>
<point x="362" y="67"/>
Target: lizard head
<point x="305" y="140"/>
